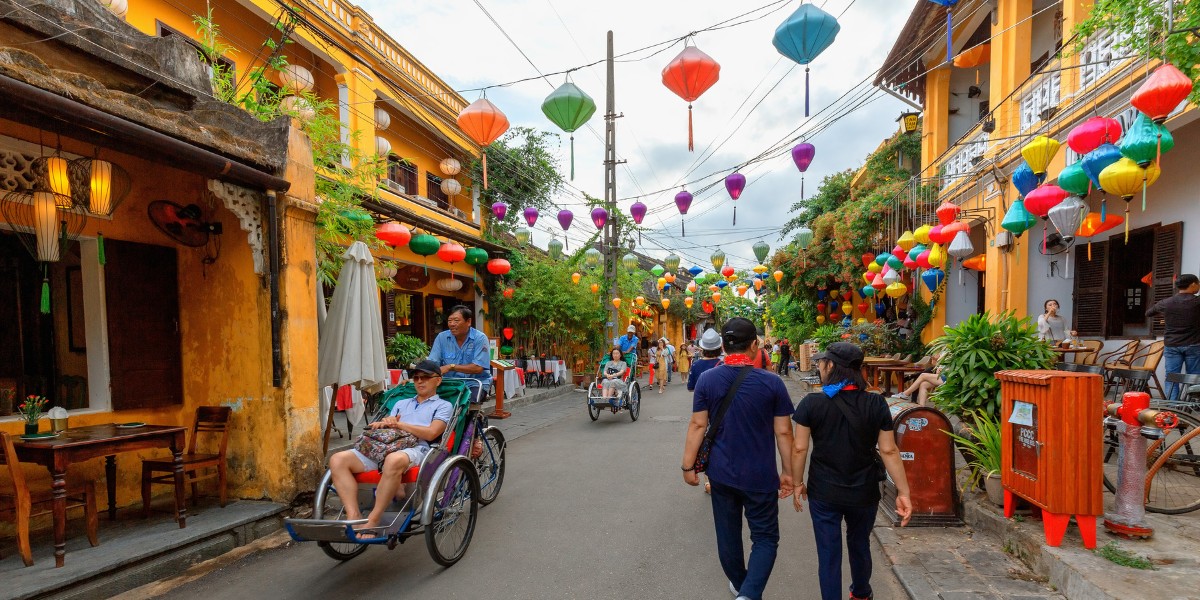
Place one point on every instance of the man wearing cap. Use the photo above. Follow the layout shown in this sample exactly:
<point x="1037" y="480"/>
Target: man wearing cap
<point x="741" y="463"/>
<point x="845" y="424"/>
<point x="425" y="416"/>
<point x="628" y="343"/>
<point x="710" y="355"/>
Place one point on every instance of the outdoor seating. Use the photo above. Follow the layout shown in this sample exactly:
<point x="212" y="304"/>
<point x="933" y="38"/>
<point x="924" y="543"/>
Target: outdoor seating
<point x="548" y="376"/>
<point x="22" y="499"/>
<point x="1147" y="359"/>
<point x="1121" y="357"/>
<point x="1121" y="381"/>
<point x="212" y="420"/>
<point x="1189" y="392"/>
<point x="1080" y="368"/>
<point x="1093" y="351"/>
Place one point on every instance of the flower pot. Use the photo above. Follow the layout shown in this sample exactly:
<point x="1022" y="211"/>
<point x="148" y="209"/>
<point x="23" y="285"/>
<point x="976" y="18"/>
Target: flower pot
<point x="995" y="491"/>
<point x="31" y="428"/>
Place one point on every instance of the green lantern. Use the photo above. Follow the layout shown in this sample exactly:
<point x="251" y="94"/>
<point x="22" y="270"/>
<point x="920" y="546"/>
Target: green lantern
<point x="761" y="249"/>
<point x="658" y="270"/>
<point x="591" y="258"/>
<point x="672" y="262"/>
<point x="630" y="261"/>
<point x="718" y="259"/>
<point x="476" y="257"/>
<point x="804" y="237"/>
<point x="569" y="108"/>
<point x="1019" y="219"/>
<point x="555" y="248"/>
<point x="424" y="245"/>
<point x="523" y="235"/>
<point x="1145" y="141"/>
<point x="1074" y="179"/>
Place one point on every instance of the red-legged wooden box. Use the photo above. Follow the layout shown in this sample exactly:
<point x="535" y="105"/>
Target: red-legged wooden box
<point x="928" y="457"/>
<point x="1051" y="448"/>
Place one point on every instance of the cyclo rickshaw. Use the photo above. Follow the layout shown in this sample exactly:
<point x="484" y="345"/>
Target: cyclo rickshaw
<point x="463" y="470"/>
<point x="630" y="399"/>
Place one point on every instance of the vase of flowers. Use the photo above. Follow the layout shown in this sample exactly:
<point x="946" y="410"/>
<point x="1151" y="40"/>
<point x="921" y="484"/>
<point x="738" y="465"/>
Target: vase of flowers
<point x="31" y="411"/>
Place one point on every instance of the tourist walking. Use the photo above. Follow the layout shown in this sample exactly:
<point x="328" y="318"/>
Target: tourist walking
<point x="844" y="424"/>
<point x="684" y="360"/>
<point x="748" y="409"/>
<point x="710" y="356"/>
<point x="1181" y="314"/>
<point x="785" y="358"/>
<point x="662" y="364"/>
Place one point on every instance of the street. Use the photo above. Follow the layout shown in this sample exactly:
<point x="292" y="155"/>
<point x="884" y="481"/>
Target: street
<point x="588" y="510"/>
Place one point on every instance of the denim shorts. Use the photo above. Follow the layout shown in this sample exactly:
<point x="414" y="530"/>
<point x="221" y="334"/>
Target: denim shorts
<point x="415" y="455"/>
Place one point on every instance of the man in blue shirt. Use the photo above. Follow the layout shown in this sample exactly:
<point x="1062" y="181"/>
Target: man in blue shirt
<point x="629" y="342"/>
<point x="462" y="351"/>
<point x="741" y="464"/>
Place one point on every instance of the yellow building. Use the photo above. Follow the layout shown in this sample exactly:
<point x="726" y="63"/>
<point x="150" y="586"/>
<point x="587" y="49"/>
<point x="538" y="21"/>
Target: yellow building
<point x="1039" y="80"/>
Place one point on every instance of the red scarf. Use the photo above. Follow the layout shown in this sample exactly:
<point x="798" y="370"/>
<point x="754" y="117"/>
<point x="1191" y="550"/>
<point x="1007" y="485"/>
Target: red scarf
<point x="738" y="360"/>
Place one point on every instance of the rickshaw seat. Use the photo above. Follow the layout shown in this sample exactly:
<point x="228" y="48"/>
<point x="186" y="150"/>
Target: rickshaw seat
<point x="373" y="477"/>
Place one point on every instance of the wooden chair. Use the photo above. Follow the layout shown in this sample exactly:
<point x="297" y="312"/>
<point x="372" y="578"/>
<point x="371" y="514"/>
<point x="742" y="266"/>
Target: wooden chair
<point x="1089" y="357"/>
<point x="209" y="420"/>
<point x="1121" y="381"/>
<point x="1121" y="357"/>
<point x="1147" y="359"/>
<point x="22" y="500"/>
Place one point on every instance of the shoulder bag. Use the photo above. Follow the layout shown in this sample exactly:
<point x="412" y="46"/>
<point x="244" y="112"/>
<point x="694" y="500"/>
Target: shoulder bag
<point x="710" y="434"/>
<point x="377" y="444"/>
<point x="878" y="471"/>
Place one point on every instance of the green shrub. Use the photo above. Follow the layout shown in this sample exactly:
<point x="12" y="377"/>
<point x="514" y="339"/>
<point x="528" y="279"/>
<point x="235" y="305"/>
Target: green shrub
<point x="982" y="442"/>
<point x="827" y="334"/>
<point x="403" y="350"/>
<point x="975" y="350"/>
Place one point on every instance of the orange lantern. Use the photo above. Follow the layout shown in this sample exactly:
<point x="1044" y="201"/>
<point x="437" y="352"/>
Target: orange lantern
<point x="575" y="277"/>
<point x="758" y="284"/>
<point x="688" y="301"/>
<point x="484" y="124"/>
<point x="616" y="302"/>
<point x="973" y="57"/>
<point x="689" y="75"/>
<point x="666" y="303"/>
<point x="977" y="263"/>
<point x="1095" y="224"/>
<point x="670" y="277"/>
<point x="508" y="293"/>
<point x="741" y="289"/>
<point x="640" y="300"/>
<point x="778" y="275"/>
<point x="595" y="288"/>
<point x="716" y="297"/>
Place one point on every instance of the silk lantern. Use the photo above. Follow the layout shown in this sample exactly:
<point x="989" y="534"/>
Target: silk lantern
<point x="1039" y="152"/>
<point x="906" y="241"/>
<point x="1040" y="201"/>
<point x="890" y="276"/>
<point x="758" y="285"/>
<point x="717" y="259"/>
<point x="424" y="245"/>
<point x="599" y="217"/>
<point x="569" y="108"/>
<point x="591" y="258"/>
<point x="691" y="287"/>
<point x="1074" y="179"/>
<point x="923" y="260"/>
<point x="1095" y="224"/>
<point x="960" y="247"/>
<point x="847" y="309"/>
<point x="939" y="235"/>
<point x="1068" y="216"/>
<point x="741" y="289"/>
<point x="778" y="275"/>
<point x="976" y="263"/>
<point x="761" y="250"/>
<point x="688" y="301"/>
<point x="937" y="257"/>
<point x="630" y="261"/>
<point x="484" y="124"/>
<point x="575" y="277"/>
<point x="695" y="271"/>
<point x="716" y="297"/>
<point x="947" y="212"/>
<point x="657" y="270"/>
<point x="523" y="234"/>
<point x="803" y="155"/>
<point x="531" y="215"/>
<point x="507" y="293"/>
<point x="895" y="290"/>
<point x="916" y="251"/>
<point x="564" y="219"/>
<point x="867" y="291"/>
<point x="1018" y="219"/>
<point x="1125" y="178"/>
<point x="734" y="184"/>
<point x="1024" y="179"/>
<point x="640" y="301"/>
<point x="671" y="262"/>
<point x="874" y="266"/>
<point x="1166" y="87"/>
<point x="1090" y="134"/>
<point x="878" y="283"/>
<point x="867" y="258"/>
<point x="803" y="36"/>
<point x="689" y="75"/>
<point x="683" y="201"/>
<point x="499" y="210"/>
<point x="921" y="234"/>
<point x="933" y="278"/>
<point x="670" y="277"/>
<point x="393" y="234"/>
<point x="616" y="302"/>
<point x="555" y="248"/>
<point x="451" y="253"/>
<point x="728" y="272"/>
<point x="498" y="266"/>
<point x="595" y="288"/>
<point x="1146" y="141"/>
<point x="820" y="319"/>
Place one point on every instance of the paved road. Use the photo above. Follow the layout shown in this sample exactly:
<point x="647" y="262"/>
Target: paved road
<point x="588" y="510"/>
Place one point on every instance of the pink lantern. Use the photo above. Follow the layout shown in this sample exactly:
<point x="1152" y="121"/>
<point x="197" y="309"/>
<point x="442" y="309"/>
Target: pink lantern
<point x="531" y="215"/>
<point x="638" y="212"/>
<point x="564" y="219"/>
<point x="803" y="154"/>
<point x="499" y="209"/>
<point x="599" y="217"/>
<point x="683" y="201"/>
<point x="1093" y="133"/>
<point x="899" y="252"/>
<point x="734" y="184"/>
<point x="1045" y="197"/>
<point x="923" y="260"/>
<point x="937" y="234"/>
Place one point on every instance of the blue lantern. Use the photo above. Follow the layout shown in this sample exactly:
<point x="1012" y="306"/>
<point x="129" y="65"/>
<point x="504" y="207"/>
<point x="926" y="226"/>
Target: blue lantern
<point x="949" y="4"/>
<point x="695" y="271"/>
<point x="822" y="293"/>
<point x="933" y="278"/>
<point x="805" y="35"/>
<point x="862" y="337"/>
<point x="1096" y="161"/>
<point x="833" y="305"/>
<point x="880" y="308"/>
<point x="721" y="284"/>
<point x="1024" y="179"/>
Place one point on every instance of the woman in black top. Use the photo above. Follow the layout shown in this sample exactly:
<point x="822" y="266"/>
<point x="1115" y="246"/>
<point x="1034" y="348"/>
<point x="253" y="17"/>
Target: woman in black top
<point x="845" y="423"/>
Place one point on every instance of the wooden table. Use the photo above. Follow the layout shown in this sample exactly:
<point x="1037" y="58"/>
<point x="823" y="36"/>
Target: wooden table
<point x="890" y="370"/>
<point x="871" y="365"/>
<point x="84" y="443"/>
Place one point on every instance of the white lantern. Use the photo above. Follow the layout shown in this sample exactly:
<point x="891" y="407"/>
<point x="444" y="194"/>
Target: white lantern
<point x="298" y="107"/>
<point x="116" y="7"/>
<point x="451" y="166"/>
<point x="1067" y="216"/>
<point x="961" y="246"/>
<point x="100" y="196"/>
<point x="382" y="146"/>
<point x="451" y="187"/>
<point x="382" y="119"/>
<point x="890" y="276"/>
<point x="45" y="225"/>
<point x="449" y="285"/>
<point x="296" y="79"/>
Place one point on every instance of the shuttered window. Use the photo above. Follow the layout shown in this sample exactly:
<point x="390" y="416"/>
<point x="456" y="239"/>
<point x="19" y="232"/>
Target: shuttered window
<point x="1168" y="254"/>
<point x="1091" y="292"/>
<point x="1097" y="311"/>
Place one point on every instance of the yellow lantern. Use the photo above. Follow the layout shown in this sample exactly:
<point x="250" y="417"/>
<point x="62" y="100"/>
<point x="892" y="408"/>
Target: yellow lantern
<point x="1125" y="178"/>
<point x="759" y="269"/>
<point x="861" y="321"/>
<point x="907" y="241"/>
<point x="666" y="303"/>
<point x="640" y="300"/>
<point x="688" y="301"/>
<point x="1039" y="152"/>
<point x="575" y="277"/>
<point x="58" y="179"/>
<point x="820" y="319"/>
<point x="716" y="297"/>
<point x="778" y="275"/>
<point x="896" y="289"/>
<point x="937" y="256"/>
<point x="595" y="288"/>
<point x="868" y="277"/>
<point x="921" y="235"/>
<point x="847" y="308"/>
<point x="45" y="225"/>
<point x="662" y="282"/>
<point x="616" y="302"/>
<point x="874" y="267"/>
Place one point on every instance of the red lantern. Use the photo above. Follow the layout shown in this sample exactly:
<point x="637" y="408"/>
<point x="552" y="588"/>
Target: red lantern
<point x="820" y="307"/>
<point x="846" y="296"/>
<point x="1045" y="197"/>
<point x="707" y="307"/>
<point x="952" y="230"/>
<point x="508" y="333"/>
<point x="1093" y="133"/>
<point x="937" y="234"/>
<point x="899" y="252"/>
<point x="484" y="124"/>
<point x="689" y="75"/>
<point x="498" y="266"/>
<point x="508" y="293"/>
<point x="867" y="259"/>
<point x="1162" y="92"/>
<point x="947" y="212"/>
<point x="728" y="271"/>
<point x="393" y="234"/>
<point x="451" y="252"/>
<point x="862" y="307"/>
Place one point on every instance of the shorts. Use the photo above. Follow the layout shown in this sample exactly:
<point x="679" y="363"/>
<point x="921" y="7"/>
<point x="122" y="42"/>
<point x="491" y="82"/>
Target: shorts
<point x="415" y="456"/>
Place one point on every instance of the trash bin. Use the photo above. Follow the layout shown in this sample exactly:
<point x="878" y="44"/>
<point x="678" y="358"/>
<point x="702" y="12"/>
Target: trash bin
<point x="928" y="456"/>
<point x="1051" y="428"/>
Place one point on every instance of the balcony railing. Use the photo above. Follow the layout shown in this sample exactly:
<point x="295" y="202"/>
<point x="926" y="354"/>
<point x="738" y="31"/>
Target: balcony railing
<point x="1099" y="57"/>
<point x="963" y="161"/>
<point x="1041" y="98"/>
<point x="397" y="189"/>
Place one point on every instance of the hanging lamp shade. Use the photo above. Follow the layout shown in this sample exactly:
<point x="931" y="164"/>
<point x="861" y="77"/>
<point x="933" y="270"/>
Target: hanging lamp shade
<point x="718" y="259"/>
<point x="804" y="237"/>
<point x="476" y="257"/>
<point x="937" y="257"/>
<point x="575" y="277"/>
<point x="531" y="215"/>
<point x="951" y="230"/>
<point x="657" y="270"/>
<point x="911" y="262"/>
<point x="569" y="108"/>
<point x="1146" y="141"/>
<point x="915" y="251"/>
<point x="759" y="270"/>
<point x="1074" y="179"/>
<point x="688" y="301"/>
<point x="1018" y="219"/>
<point x="661" y="282"/>
<point x="895" y="262"/>
<point x="980" y="54"/>
<point x="734" y="184"/>
<point x="895" y="290"/>
<point x="960" y="247"/>
<point x="778" y="276"/>
<point x="1024" y="179"/>
<point x="939" y="235"/>
<point x="1099" y="159"/>
<point x="671" y="262"/>
<point x="691" y="287"/>
<point x="424" y="244"/>
<point x="564" y="219"/>
<point x="900" y="252"/>
<point x="1093" y="132"/>
<point x="1162" y="92"/>
<point x="874" y="266"/>
<point x="933" y="278"/>
<point x="669" y="276"/>
<point x="923" y="260"/>
<point x="976" y="263"/>
<point x="1039" y="152"/>
<point x="890" y="276"/>
<point x="881" y="259"/>
<point x="695" y="271"/>
<point x="484" y="124"/>
<point x="689" y="75"/>
<point x="906" y="241"/>
<point x="878" y="283"/>
<point x="616" y="302"/>
<point x="1041" y="200"/>
<point x="451" y="253"/>
<point x="947" y="212"/>
<point x="867" y="258"/>
<point x="599" y="217"/>
<point x="450" y="187"/>
<point x="499" y="210"/>
<point x="1092" y="224"/>
<point x="741" y="289"/>
<point x="1125" y="178"/>
<point x="630" y="262"/>
<point x="867" y="291"/>
<point x="450" y="166"/>
<point x="393" y="234"/>
<point x="728" y="272"/>
<point x="523" y="234"/>
<point x="449" y="285"/>
<point x="803" y="155"/>
<point x="761" y="250"/>
<point x="555" y="248"/>
<point x="638" y="212"/>
<point x="921" y="234"/>
<point x="100" y="186"/>
<point x="591" y="258"/>
<point x="683" y="201"/>
<point x="1068" y="216"/>
<point x="498" y="266"/>
<point x="803" y="36"/>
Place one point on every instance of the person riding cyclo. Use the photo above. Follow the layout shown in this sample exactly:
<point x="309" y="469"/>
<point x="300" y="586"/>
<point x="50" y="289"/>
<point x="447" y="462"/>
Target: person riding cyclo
<point x="628" y="344"/>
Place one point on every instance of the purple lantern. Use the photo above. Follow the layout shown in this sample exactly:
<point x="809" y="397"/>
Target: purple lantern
<point x="683" y="200"/>
<point x="499" y="209"/>
<point x="599" y="217"/>
<point x="531" y="215"/>
<point x="803" y="154"/>
<point x="734" y="184"/>
<point x="638" y="212"/>
<point x="564" y="219"/>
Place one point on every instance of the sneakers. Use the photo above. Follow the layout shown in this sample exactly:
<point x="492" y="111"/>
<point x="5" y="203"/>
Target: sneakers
<point x="733" y="590"/>
<point x="902" y="397"/>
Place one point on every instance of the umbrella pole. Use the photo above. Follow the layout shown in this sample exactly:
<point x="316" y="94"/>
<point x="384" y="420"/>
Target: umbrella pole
<point x="329" y="423"/>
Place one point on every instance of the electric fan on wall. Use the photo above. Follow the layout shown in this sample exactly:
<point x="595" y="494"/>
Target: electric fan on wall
<point x="186" y="225"/>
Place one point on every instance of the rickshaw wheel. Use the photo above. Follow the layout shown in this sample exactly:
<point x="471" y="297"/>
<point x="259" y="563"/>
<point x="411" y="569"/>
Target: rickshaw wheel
<point x="331" y="508"/>
<point x="491" y="465"/>
<point x="593" y="410"/>
<point x="635" y="401"/>
<point x="455" y="508"/>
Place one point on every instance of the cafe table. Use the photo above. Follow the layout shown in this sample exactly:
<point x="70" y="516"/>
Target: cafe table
<point x="83" y="443"/>
<point x="871" y="365"/>
<point x="887" y="372"/>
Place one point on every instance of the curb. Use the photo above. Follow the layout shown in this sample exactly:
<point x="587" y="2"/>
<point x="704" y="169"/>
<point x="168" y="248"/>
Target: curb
<point x="530" y="399"/>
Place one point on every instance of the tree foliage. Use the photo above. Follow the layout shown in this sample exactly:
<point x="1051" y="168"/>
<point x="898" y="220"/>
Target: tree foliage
<point x="522" y="171"/>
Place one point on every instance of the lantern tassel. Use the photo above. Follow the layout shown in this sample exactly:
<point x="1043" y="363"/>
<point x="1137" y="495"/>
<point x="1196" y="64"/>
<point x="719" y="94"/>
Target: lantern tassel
<point x="1089" y="250"/>
<point x="1103" y="208"/>
<point x="735" y="214"/>
<point x="572" y="156"/>
<point x="802" y="188"/>
<point x="949" y="35"/>
<point x="45" y="308"/>
<point x="100" y="249"/>
<point x="1044" y="248"/>
<point x="682" y="230"/>
<point x="1144" y="184"/>
<point x="806" y="93"/>
<point x="485" y="181"/>
<point x="691" y="141"/>
<point x="1126" y="222"/>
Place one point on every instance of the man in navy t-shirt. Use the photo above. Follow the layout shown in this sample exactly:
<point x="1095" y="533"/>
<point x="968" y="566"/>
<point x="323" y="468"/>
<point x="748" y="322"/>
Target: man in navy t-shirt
<point x="741" y="465"/>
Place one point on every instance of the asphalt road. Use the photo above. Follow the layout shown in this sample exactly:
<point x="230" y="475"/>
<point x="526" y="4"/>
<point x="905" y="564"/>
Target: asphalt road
<point x="592" y="510"/>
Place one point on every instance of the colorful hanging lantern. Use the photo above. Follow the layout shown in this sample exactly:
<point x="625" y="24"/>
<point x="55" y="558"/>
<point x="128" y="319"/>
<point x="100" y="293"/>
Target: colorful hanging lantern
<point x="499" y="210"/>
<point x="947" y="212"/>
<point x="881" y="260"/>
<point x="895" y="263"/>
<point x="671" y="262"/>
<point x="741" y="289"/>
<point x="961" y="247"/>
<point x="638" y="212"/>
<point x="874" y="266"/>
<point x="640" y="301"/>
<point x="734" y="184"/>
<point x="689" y="75"/>
<point x="688" y="301"/>
<point x="1018" y="219"/>
<point x="921" y="234"/>
<point x="923" y="260"/>
<point x="683" y="201"/>
<point x="1093" y="225"/>
<point x="890" y="276"/>
<point x="507" y="293"/>
<point x="1090" y="134"/>
<point x="691" y="287"/>
<point x="564" y="219"/>
<point x="906" y="241"/>
<point x="616" y="302"/>
<point x="759" y="270"/>
<point x="1038" y="153"/>
<point x="695" y="271"/>
<point x="1024" y="179"/>
<point x="599" y="217"/>
<point x="820" y="319"/>
<point x="575" y="277"/>
<point x="761" y="250"/>
<point x="1068" y="216"/>
<point x="476" y="257"/>
<point x="657" y="270"/>
<point x="976" y="263"/>
<point x="718" y="259"/>
<point x="895" y="290"/>
<point x="878" y="283"/>
<point x="758" y="285"/>
<point x="484" y="124"/>
<point x="595" y="288"/>
<point x="867" y="258"/>
<point x="1099" y="159"/>
<point x="728" y="272"/>
<point x="1162" y="92"/>
<point x="670" y="277"/>
<point x="424" y="245"/>
<point x="937" y="257"/>
<point x="569" y="108"/>
<point x="1146" y="141"/>
<point x="1125" y="178"/>
<point x="393" y="234"/>
<point x="498" y="266"/>
<point x="939" y="235"/>
<point x="778" y="275"/>
<point x="916" y="251"/>
<point x="591" y="258"/>
<point x="933" y="278"/>
<point x="531" y="215"/>
<point x="911" y="262"/>
<point x="1074" y="179"/>
<point x="803" y="36"/>
<point x="555" y="248"/>
<point x="630" y="261"/>
<point x="847" y="309"/>
<point x="523" y="234"/>
<point x="508" y="333"/>
<point x="451" y="253"/>
<point x="716" y="297"/>
<point x="803" y="154"/>
<point x="1041" y="200"/>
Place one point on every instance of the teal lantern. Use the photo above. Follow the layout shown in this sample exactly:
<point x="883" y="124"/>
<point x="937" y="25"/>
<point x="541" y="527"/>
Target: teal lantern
<point x="761" y="250"/>
<point x="672" y="262"/>
<point x="591" y="258"/>
<point x="630" y="261"/>
<point x="658" y="270"/>
<point x="1018" y="220"/>
<point x="569" y="108"/>
<point x="555" y="248"/>
<point x="915" y="252"/>
<point x="1074" y="179"/>
<point x="868" y="291"/>
<point x="1145" y="141"/>
<point x="803" y="36"/>
<point x="895" y="263"/>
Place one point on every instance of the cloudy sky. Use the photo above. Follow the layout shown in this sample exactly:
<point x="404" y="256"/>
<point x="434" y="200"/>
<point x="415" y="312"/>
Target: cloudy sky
<point x="756" y="104"/>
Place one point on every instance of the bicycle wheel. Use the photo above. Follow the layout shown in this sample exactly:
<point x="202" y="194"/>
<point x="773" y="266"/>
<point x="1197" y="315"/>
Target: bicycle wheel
<point x="329" y="506"/>
<point x="455" y="506"/>
<point x="1154" y="448"/>
<point x="490" y="465"/>
<point x="593" y="410"/>
<point x="1173" y="479"/>
<point x="635" y="400"/>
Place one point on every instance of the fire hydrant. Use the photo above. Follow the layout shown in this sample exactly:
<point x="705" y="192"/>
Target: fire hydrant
<point x="1135" y="422"/>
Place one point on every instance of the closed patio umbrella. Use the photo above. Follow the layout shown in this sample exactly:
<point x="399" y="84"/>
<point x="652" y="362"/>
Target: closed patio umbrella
<point x="351" y="348"/>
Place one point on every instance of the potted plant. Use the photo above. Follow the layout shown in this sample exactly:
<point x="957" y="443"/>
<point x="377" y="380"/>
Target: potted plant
<point x="982" y="442"/>
<point x="31" y="411"/>
<point x="402" y="350"/>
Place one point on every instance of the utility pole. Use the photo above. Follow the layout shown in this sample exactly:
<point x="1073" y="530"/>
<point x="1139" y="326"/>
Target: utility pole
<point x="612" y="238"/>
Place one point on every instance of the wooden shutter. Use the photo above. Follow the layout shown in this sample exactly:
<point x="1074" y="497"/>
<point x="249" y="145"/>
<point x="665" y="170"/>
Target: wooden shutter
<point x="1168" y="253"/>
<point x="1091" y="289"/>
<point x="389" y="314"/>
<point x="141" y="289"/>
